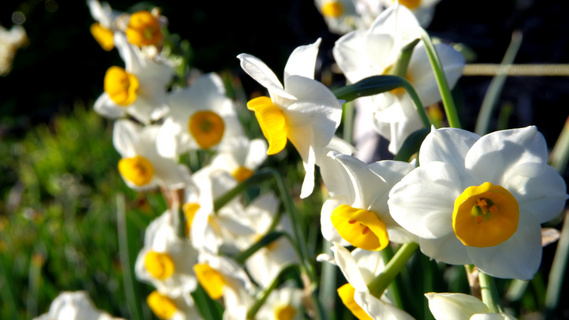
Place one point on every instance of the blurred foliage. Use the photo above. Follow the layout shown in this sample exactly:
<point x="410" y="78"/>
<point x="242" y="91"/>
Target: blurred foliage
<point x="58" y="224"/>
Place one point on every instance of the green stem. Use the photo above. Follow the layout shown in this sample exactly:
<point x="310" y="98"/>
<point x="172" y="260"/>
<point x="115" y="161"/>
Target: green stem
<point x="265" y="293"/>
<point x="133" y="300"/>
<point x="400" y="67"/>
<point x="444" y="89"/>
<point x="489" y="293"/>
<point x="378" y="285"/>
<point x="378" y="84"/>
<point x="394" y="289"/>
<point x="557" y="273"/>
<point x="242" y="256"/>
<point x="496" y="85"/>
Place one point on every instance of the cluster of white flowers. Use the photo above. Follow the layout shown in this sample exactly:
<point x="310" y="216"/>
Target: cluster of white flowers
<point x="465" y="200"/>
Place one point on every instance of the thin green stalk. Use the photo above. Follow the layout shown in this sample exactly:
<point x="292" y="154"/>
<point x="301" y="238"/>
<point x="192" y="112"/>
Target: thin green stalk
<point x="328" y="285"/>
<point x="560" y="153"/>
<point x="132" y="298"/>
<point x="402" y="64"/>
<point x="489" y="293"/>
<point x="496" y="85"/>
<point x="34" y="278"/>
<point x="265" y="293"/>
<point x="7" y="290"/>
<point x="348" y="121"/>
<point x="444" y="89"/>
<point x="557" y="273"/>
<point x="242" y="256"/>
<point x="393" y="267"/>
<point x="395" y="286"/>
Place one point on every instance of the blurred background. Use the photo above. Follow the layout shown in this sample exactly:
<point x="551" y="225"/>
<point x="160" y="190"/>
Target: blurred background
<point x="58" y="162"/>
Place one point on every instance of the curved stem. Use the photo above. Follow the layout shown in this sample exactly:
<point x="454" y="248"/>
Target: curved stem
<point x="489" y="292"/>
<point x="444" y="89"/>
<point x="378" y="285"/>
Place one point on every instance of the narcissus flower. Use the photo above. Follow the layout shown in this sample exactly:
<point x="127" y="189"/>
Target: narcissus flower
<point x="422" y="9"/>
<point x="364" y="53"/>
<point x="357" y="212"/>
<point x="139" y="89"/>
<point x="340" y="15"/>
<point x="104" y="29"/>
<point x="459" y="306"/>
<point x="141" y="166"/>
<point x="481" y="200"/>
<point x="360" y="267"/>
<point x="143" y="29"/>
<point x="74" y="306"/>
<point x="201" y="117"/>
<point x="241" y="157"/>
<point x="166" y="261"/>
<point x="167" y="307"/>
<point x="304" y="111"/>
<point x="282" y="304"/>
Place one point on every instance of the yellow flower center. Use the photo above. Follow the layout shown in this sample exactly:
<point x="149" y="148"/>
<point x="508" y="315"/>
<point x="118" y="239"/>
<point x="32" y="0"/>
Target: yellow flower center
<point x="346" y="293"/>
<point x="121" y="86"/>
<point x="137" y="170"/>
<point x="272" y="122"/>
<point x="207" y="127"/>
<point x="361" y="228"/>
<point x="332" y="9"/>
<point x="241" y="174"/>
<point x="190" y="210"/>
<point x="210" y="279"/>
<point x="411" y="4"/>
<point x="159" y="265"/>
<point x="162" y="306"/>
<point x="103" y="36"/>
<point x="485" y="215"/>
<point x="284" y="312"/>
<point x="143" y="29"/>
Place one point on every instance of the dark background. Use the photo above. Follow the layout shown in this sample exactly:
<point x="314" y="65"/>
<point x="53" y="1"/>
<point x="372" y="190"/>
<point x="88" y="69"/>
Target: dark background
<point x="63" y="65"/>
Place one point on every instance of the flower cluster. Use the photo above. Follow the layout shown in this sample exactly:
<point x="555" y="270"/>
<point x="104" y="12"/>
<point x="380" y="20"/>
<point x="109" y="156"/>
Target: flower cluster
<point x="463" y="199"/>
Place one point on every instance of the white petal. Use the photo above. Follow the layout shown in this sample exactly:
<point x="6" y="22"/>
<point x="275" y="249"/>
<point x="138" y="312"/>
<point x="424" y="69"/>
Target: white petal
<point x="456" y="306"/>
<point x="108" y="108"/>
<point x="349" y="267"/>
<point x="349" y="53"/>
<point x="544" y="195"/>
<point x="378" y="309"/>
<point x="125" y="137"/>
<point x="329" y="232"/>
<point x="447" y="249"/>
<point x="448" y="145"/>
<point x="495" y="153"/>
<point x="423" y="201"/>
<point x="302" y="62"/>
<point x="259" y="71"/>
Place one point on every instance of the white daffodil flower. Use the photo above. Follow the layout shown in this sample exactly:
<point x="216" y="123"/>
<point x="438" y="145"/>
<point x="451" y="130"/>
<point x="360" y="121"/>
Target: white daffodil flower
<point x="265" y="264"/>
<point x="240" y="157"/>
<point x="340" y="15"/>
<point x="481" y="200"/>
<point x="103" y="30"/>
<point x="201" y="117"/>
<point x="357" y="213"/>
<point x="304" y="111"/>
<point x="360" y="267"/>
<point x="74" y="306"/>
<point x="215" y="231"/>
<point x="166" y="261"/>
<point x="139" y="89"/>
<point x="141" y="167"/>
<point x="283" y="303"/>
<point x="221" y="277"/>
<point x="364" y="53"/>
<point x="167" y="307"/>
<point x="459" y="306"/>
